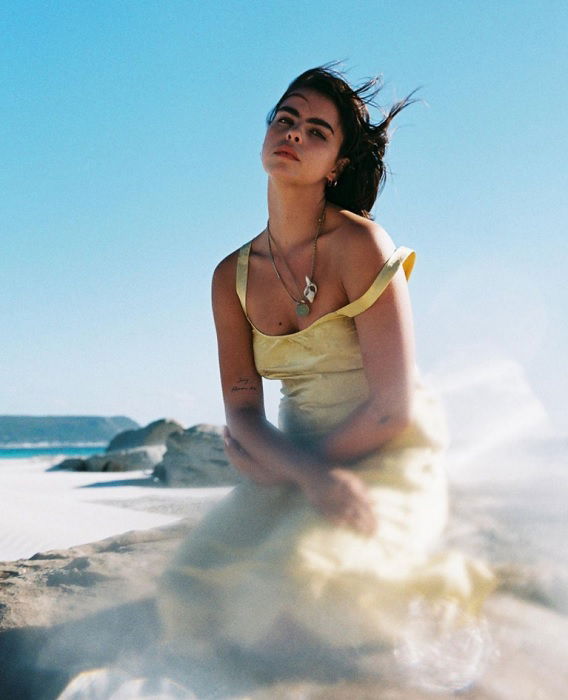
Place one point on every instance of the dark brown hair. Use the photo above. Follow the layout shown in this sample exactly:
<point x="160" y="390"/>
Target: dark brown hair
<point x="364" y="143"/>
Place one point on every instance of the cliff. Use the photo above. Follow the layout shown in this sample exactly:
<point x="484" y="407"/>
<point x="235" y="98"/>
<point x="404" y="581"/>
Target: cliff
<point x="62" y="429"/>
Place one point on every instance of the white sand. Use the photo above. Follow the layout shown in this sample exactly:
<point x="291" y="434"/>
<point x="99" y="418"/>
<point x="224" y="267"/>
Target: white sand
<point x="509" y="505"/>
<point x="44" y="510"/>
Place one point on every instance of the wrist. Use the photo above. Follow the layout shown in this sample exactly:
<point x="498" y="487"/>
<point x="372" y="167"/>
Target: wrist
<point x="313" y="477"/>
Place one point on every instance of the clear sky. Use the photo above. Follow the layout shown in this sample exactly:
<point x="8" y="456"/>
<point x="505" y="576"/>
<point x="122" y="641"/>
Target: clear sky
<point x="131" y="133"/>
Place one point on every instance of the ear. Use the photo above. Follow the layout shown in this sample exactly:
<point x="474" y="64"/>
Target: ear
<point x="340" y="165"/>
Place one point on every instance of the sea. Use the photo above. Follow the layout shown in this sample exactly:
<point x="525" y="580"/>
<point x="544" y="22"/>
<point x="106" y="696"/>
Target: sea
<point x="30" y="451"/>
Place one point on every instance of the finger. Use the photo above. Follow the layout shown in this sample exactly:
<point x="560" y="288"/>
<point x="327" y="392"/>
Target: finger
<point x="363" y="520"/>
<point x="234" y="445"/>
<point x="370" y="523"/>
<point x="234" y="455"/>
<point x="228" y="439"/>
<point x="348" y="516"/>
<point x="363" y="528"/>
<point x="359" y="525"/>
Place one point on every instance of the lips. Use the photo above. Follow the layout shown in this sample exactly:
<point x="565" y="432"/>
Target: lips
<point x="287" y="152"/>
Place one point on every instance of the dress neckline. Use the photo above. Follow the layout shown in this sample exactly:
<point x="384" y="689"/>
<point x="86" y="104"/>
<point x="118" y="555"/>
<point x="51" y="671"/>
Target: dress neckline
<point x="350" y="309"/>
<point x="301" y="330"/>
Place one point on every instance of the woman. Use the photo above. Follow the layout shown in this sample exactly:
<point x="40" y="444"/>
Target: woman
<point x="332" y="535"/>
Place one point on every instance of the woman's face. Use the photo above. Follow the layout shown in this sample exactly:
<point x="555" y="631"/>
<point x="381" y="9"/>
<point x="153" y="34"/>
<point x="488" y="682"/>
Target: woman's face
<point x="302" y="143"/>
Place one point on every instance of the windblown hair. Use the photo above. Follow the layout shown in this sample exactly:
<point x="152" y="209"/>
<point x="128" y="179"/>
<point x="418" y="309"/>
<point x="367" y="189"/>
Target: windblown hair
<point x="364" y="143"/>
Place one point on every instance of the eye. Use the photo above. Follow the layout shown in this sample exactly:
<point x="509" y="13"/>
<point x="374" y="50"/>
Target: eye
<point x="285" y="120"/>
<point x="317" y="132"/>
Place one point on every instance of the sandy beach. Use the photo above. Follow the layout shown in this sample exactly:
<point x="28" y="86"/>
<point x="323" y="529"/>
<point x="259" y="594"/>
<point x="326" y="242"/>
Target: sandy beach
<point x="82" y="552"/>
<point x="44" y="509"/>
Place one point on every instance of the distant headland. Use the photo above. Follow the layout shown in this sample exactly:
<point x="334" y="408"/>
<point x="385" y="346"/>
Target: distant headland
<point x="61" y="430"/>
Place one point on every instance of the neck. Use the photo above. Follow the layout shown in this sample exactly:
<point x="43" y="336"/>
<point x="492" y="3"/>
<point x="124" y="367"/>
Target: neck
<point x="293" y="213"/>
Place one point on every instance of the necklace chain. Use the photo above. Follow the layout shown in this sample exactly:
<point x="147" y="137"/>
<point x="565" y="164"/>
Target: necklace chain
<point x="302" y="304"/>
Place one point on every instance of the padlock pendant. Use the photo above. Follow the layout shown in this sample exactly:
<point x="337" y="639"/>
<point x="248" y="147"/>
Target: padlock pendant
<point x="310" y="290"/>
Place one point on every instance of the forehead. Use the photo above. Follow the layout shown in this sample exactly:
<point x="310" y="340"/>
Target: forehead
<point x="310" y="103"/>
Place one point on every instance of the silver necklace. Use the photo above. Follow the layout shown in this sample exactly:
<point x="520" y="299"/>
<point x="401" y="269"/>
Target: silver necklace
<point x="310" y="290"/>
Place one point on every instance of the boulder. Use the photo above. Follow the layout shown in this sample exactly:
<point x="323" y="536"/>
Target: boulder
<point x="73" y="464"/>
<point x="129" y="451"/>
<point x="196" y="457"/>
<point x="154" y="433"/>
<point x="118" y="461"/>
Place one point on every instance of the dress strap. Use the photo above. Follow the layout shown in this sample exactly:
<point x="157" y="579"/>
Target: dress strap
<point x="402" y="257"/>
<point x="242" y="274"/>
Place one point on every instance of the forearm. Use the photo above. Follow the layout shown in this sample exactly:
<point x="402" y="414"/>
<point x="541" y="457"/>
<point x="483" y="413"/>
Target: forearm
<point x="248" y="468"/>
<point x="369" y="427"/>
<point x="272" y="451"/>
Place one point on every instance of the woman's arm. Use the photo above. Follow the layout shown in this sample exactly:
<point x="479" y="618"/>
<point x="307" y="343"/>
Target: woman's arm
<point x="386" y="338"/>
<point x="337" y="493"/>
<point x="270" y="451"/>
<point x="255" y="446"/>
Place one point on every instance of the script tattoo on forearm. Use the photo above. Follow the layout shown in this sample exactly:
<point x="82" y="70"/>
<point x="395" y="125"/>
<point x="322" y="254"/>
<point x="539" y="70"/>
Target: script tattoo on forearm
<point x="244" y="384"/>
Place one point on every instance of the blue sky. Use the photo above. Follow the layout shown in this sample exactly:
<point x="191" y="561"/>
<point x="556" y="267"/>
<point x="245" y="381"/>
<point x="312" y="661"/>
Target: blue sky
<point x="131" y="134"/>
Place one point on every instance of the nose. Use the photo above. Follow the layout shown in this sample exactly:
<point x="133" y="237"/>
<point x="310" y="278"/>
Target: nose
<point x="293" y="134"/>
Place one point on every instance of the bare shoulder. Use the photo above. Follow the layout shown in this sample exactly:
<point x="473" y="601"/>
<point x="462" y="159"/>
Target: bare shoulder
<point x="363" y="246"/>
<point x="233" y="328"/>
<point x="224" y="297"/>
<point x="225" y="270"/>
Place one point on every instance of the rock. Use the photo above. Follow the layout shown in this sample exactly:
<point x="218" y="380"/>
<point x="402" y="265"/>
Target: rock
<point x="120" y="461"/>
<point x="196" y="457"/>
<point x="154" y="433"/>
<point x="128" y="460"/>
<point x="128" y="451"/>
<point x="73" y="464"/>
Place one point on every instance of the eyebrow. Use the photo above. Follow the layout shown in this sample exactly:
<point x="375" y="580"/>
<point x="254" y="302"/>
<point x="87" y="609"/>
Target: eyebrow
<point x="311" y="120"/>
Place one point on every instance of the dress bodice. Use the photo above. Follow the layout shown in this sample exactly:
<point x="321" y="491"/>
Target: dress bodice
<point x="321" y="366"/>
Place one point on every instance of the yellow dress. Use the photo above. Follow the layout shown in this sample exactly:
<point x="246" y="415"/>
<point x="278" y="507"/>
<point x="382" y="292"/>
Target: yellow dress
<point x="264" y="554"/>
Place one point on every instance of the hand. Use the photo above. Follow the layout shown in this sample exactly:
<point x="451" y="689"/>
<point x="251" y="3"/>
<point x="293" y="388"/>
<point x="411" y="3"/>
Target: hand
<point x="342" y="497"/>
<point x="245" y="464"/>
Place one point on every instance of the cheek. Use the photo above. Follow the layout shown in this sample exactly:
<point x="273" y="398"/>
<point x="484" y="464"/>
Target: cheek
<point x="327" y="157"/>
<point x="271" y="137"/>
<point x="268" y="137"/>
<point x="264" y="148"/>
